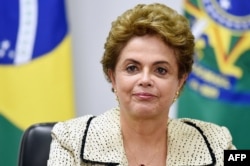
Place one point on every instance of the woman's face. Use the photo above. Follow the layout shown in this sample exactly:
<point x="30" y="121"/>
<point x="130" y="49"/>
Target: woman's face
<point x="146" y="78"/>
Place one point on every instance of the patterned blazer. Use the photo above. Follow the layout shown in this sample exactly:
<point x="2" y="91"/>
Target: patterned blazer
<point x="88" y="140"/>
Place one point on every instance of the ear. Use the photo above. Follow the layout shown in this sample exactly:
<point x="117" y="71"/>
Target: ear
<point x="182" y="81"/>
<point x="111" y="75"/>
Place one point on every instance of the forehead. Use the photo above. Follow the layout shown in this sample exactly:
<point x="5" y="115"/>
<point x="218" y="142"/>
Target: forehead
<point x="147" y="48"/>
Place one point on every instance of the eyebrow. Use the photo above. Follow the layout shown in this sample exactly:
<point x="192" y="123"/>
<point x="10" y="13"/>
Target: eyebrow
<point x="155" y="63"/>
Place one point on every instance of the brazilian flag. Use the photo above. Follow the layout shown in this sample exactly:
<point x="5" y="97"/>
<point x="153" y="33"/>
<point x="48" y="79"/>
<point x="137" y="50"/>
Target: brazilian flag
<point x="36" y="82"/>
<point x="218" y="89"/>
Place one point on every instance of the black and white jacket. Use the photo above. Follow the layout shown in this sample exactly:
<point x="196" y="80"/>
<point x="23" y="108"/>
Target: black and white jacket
<point x="88" y="141"/>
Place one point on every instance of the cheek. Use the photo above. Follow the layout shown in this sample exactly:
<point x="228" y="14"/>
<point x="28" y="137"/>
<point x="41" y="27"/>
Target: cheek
<point x="124" y="84"/>
<point x="168" y="90"/>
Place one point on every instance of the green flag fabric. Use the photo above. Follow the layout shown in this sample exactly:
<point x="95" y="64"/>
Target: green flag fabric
<point x="218" y="89"/>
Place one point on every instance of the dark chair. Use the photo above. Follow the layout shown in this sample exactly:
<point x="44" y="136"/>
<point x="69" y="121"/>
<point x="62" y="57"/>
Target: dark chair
<point x="35" y="145"/>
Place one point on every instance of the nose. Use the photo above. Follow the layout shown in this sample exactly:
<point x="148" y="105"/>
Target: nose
<point x="145" y="80"/>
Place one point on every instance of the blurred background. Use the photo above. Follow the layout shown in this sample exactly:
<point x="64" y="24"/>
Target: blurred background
<point x="50" y="69"/>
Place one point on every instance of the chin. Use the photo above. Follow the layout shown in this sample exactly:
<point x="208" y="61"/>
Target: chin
<point x="145" y="111"/>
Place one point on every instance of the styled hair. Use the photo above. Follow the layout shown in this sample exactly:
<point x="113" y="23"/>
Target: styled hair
<point x="152" y="19"/>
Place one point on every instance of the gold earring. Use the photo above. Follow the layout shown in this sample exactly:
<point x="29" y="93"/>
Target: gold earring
<point x="115" y="91"/>
<point x="176" y="96"/>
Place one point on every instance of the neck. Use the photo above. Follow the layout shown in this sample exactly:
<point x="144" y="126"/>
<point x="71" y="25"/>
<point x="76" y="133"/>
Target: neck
<point x="144" y="136"/>
<point x="143" y="128"/>
<point x="145" y="141"/>
<point x="144" y="131"/>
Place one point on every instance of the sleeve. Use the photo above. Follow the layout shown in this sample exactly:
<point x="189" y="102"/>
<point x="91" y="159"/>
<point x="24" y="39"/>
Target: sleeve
<point x="65" y="148"/>
<point x="229" y="139"/>
<point x="60" y="154"/>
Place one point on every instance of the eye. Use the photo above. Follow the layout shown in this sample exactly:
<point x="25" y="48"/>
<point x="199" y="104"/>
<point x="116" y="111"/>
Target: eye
<point x="161" y="71"/>
<point x="131" y="68"/>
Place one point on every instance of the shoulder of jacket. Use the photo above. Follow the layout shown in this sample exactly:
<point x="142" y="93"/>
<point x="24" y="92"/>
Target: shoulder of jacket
<point x="71" y="130"/>
<point x="212" y="131"/>
<point x="206" y="126"/>
<point x="71" y="124"/>
<point x="76" y="125"/>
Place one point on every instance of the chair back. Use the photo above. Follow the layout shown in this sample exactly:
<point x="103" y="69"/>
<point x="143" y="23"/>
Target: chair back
<point x="35" y="145"/>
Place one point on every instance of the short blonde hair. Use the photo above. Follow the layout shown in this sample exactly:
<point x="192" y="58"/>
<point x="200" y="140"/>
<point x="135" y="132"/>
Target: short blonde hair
<point x="152" y="19"/>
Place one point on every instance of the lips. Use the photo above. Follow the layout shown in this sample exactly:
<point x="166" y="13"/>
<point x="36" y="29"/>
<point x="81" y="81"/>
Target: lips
<point x="144" y="96"/>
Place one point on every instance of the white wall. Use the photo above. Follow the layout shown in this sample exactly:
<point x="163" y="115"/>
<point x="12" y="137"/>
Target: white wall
<point x="90" y="22"/>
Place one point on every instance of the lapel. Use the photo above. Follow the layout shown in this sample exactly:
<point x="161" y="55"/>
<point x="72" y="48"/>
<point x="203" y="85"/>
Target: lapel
<point x="186" y="146"/>
<point x="103" y="143"/>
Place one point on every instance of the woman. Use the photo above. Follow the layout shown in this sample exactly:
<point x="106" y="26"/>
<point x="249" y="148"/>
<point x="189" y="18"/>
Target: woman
<point x="147" y="58"/>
